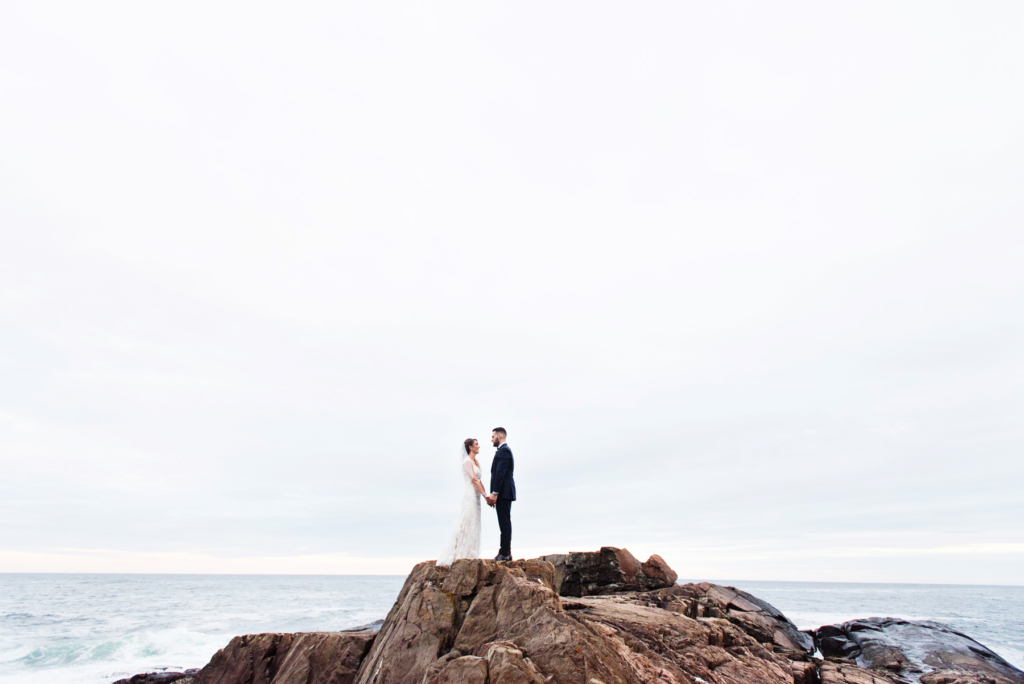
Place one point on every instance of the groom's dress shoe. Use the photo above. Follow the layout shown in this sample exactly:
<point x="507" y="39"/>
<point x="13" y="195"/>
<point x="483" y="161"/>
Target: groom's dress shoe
<point x="499" y="558"/>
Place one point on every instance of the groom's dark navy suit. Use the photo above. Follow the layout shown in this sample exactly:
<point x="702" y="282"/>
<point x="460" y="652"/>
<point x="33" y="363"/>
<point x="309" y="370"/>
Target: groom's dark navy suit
<point x="504" y="485"/>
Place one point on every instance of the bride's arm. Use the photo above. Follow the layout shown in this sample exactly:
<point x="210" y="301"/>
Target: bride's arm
<point x="477" y="484"/>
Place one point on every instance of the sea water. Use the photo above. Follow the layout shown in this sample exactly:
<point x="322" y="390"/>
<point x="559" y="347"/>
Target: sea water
<point x="94" y="629"/>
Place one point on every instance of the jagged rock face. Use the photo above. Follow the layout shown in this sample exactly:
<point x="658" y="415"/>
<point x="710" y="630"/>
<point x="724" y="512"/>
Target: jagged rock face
<point x="430" y="612"/>
<point x="503" y="623"/>
<point x="757" y="618"/>
<point x="923" y="652"/>
<point x="608" y="571"/>
<point x="300" y="658"/>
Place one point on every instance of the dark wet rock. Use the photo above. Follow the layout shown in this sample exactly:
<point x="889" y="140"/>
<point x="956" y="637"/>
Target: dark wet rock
<point x="608" y="571"/>
<point x="300" y="658"/>
<point x="372" y="627"/>
<point x="906" y="651"/>
<point x="160" y="677"/>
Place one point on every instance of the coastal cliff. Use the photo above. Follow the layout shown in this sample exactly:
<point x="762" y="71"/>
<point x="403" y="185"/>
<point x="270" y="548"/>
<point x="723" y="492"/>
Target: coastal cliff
<point x="596" y="618"/>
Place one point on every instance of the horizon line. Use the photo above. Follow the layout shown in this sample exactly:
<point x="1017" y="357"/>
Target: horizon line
<point x="688" y="581"/>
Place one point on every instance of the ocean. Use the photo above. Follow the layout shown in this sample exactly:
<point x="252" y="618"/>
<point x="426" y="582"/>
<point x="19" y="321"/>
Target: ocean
<point x="94" y="629"/>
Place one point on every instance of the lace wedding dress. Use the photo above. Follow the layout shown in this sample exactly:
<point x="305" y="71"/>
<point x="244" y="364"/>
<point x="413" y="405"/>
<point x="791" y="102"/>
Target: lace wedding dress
<point x="465" y="541"/>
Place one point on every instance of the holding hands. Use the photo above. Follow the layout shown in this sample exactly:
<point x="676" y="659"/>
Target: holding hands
<point x="491" y="499"/>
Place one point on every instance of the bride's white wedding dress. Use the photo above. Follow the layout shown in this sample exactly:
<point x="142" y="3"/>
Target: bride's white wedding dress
<point x="465" y="542"/>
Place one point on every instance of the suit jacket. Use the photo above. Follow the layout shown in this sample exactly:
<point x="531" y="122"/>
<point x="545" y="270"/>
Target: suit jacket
<point x="502" y="467"/>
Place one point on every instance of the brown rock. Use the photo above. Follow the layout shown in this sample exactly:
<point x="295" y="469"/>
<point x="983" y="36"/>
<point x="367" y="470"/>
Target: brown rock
<point x="506" y="664"/>
<point x="844" y="673"/>
<point x="432" y="606"/>
<point x="498" y="609"/>
<point x="462" y="670"/>
<point x="440" y="664"/>
<point x="607" y="571"/>
<point x="804" y="672"/>
<point x="713" y="650"/>
<point x="465" y="578"/>
<point x="420" y="627"/>
<point x="759" y="619"/>
<point x="301" y="658"/>
<point x="657" y="569"/>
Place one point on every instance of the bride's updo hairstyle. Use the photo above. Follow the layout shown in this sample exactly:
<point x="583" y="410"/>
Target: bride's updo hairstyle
<point x="468" y="444"/>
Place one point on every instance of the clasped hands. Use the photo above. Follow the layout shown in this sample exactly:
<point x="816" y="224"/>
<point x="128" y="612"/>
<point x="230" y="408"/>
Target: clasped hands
<point x="491" y="499"/>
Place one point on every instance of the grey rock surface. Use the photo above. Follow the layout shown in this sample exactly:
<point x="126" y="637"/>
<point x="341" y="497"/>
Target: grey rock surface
<point x="159" y="677"/>
<point x="907" y="651"/>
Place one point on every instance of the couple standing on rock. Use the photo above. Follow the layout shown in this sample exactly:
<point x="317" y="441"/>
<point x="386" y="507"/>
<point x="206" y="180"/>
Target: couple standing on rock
<point x="465" y="541"/>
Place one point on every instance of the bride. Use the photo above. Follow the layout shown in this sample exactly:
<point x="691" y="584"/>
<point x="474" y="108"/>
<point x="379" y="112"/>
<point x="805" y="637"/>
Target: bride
<point x="465" y="541"/>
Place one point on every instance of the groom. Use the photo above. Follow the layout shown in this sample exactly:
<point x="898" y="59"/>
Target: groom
<point x="503" y="491"/>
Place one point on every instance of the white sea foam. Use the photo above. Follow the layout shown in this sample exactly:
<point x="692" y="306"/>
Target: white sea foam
<point x="94" y="629"/>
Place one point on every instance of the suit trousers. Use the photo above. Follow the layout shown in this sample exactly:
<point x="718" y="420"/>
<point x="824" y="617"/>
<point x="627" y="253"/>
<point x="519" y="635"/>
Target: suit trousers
<point x="504" y="508"/>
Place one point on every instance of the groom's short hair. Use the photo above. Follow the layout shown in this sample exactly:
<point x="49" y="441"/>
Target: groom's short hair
<point x="500" y="431"/>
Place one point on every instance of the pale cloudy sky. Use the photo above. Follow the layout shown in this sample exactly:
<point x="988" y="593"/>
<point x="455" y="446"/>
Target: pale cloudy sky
<point x="744" y="281"/>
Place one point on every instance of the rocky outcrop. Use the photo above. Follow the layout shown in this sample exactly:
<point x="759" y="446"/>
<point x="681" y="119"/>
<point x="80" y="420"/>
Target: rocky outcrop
<point x="300" y="658"/>
<point x="608" y="571"/>
<point x="595" y="618"/>
<point x="161" y="678"/>
<point x="905" y="651"/>
<point x="504" y="623"/>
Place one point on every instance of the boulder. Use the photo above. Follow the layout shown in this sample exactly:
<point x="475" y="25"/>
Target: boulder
<point x="925" y="652"/>
<point x="608" y="571"/>
<point x="300" y="658"/>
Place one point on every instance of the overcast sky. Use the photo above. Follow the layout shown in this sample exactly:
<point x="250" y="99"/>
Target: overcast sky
<point x="744" y="282"/>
